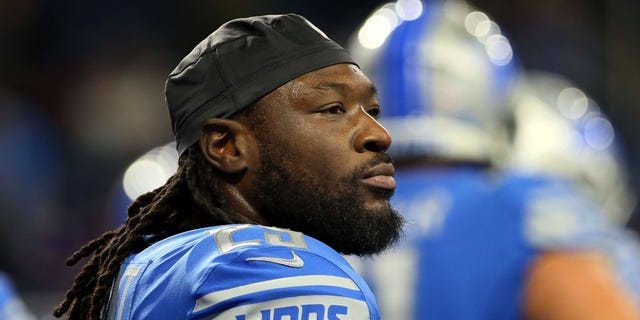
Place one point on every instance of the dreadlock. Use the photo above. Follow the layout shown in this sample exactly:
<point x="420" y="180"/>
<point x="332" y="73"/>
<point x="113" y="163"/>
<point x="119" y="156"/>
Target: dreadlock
<point x="187" y="201"/>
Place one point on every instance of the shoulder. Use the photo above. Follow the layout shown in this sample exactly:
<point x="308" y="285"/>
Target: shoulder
<point x="5" y="286"/>
<point x="6" y="292"/>
<point x="202" y="248"/>
<point x="556" y="213"/>
<point x="234" y="270"/>
<point x="11" y="304"/>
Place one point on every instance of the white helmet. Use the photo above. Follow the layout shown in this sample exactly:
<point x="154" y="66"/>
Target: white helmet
<point x="443" y="71"/>
<point x="150" y="171"/>
<point x="146" y="173"/>
<point x="560" y="131"/>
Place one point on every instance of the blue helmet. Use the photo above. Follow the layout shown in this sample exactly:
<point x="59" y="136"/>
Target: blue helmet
<point x="560" y="131"/>
<point x="443" y="72"/>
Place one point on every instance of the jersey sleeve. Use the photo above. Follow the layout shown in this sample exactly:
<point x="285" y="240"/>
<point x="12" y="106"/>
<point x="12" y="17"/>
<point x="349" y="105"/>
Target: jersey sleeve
<point x="244" y="272"/>
<point x="559" y="217"/>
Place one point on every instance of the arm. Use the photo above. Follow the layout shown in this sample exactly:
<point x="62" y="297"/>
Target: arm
<point x="580" y="286"/>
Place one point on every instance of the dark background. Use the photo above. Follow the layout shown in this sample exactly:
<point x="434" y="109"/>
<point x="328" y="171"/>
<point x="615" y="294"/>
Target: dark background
<point x="81" y="95"/>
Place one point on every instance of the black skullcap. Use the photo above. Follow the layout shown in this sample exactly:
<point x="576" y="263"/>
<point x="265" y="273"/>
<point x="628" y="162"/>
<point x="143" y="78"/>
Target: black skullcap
<point x="241" y="62"/>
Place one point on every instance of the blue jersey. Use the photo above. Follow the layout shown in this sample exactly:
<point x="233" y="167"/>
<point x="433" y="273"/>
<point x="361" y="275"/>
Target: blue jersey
<point x="471" y="238"/>
<point x="11" y="305"/>
<point x="240" y="272"/>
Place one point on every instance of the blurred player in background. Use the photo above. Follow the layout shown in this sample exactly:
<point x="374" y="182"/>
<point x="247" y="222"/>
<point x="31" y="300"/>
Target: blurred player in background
<point x="276" y="130"/>
<point x="484" y="241"/>
<point x="12" y="307"/>
<point x="560" y="131"/>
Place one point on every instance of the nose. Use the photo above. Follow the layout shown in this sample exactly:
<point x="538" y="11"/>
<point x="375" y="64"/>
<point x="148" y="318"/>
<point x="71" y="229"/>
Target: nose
<point x="371" y="136"/>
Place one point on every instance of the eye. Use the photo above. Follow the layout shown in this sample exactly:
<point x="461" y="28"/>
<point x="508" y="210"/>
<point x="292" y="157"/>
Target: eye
<point x="334" y="109"/>
<point x="374" y="111"/>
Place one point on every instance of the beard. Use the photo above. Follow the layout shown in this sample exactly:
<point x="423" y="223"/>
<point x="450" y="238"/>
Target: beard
<point x="337" y="215"/>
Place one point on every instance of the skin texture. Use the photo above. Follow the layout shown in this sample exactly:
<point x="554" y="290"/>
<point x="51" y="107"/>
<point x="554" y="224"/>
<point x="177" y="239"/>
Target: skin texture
<point x="311" y="158"/>
<point x="580" y="286"/>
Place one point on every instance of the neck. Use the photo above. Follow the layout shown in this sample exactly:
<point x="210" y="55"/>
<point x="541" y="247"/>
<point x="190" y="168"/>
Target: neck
<point x="236" y="203"/>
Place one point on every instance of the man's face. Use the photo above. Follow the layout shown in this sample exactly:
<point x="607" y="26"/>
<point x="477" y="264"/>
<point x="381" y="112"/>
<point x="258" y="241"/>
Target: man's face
<point x="323" y="168"/>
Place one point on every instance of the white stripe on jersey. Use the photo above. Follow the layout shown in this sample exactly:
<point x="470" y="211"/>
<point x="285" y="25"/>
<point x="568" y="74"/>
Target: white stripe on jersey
<point x="216" y="297"/>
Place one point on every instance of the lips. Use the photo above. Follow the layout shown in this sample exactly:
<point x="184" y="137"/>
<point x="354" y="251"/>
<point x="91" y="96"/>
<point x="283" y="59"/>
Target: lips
<point x="381" y="176"/>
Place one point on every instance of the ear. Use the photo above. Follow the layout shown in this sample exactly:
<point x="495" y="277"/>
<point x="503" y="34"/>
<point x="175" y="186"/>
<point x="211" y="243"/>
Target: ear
<point x="226" y="144"/>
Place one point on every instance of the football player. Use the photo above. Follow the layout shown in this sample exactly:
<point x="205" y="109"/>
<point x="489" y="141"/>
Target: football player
<point x="483" y="241"/>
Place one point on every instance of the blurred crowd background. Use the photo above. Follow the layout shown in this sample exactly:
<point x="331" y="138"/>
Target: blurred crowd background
<point x="81" y="96"/>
